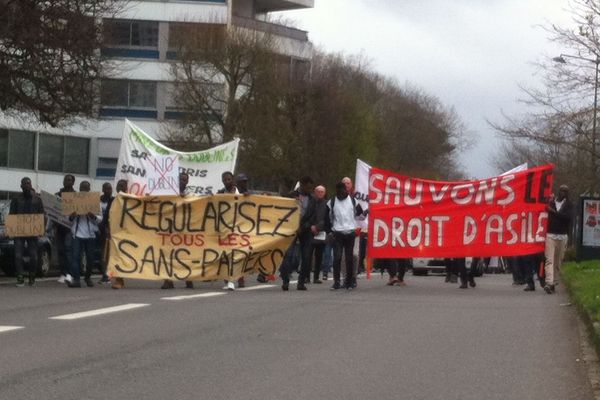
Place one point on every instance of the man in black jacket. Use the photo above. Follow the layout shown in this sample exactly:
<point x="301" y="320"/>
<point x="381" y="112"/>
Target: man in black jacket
<point x="307" y="208"/>
<point x="62" y="235"/>
<point x="560" y="214"/>
<point x="26" y="203"/>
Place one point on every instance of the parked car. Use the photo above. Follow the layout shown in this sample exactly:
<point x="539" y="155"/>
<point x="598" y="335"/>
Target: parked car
<point x="425" y="265"/>
<point x="7" y="250"/>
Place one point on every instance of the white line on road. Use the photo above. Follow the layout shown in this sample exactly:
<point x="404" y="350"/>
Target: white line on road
<point x="257" y="287"/>
<point x="100" y="311"/>
<point x="10" y="328"/>
<point x="193" y="296"/>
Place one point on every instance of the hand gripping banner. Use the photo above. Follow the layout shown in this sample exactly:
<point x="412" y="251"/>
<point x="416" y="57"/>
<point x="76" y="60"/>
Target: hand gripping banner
<point x="500" y="216"/>
<point x="199" y="238"/>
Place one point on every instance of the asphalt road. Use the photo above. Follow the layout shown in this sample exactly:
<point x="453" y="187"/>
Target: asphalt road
<point x="428" y="340"/>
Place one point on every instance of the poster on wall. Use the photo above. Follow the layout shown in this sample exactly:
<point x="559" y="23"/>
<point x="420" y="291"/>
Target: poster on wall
<point x="590" y="235"/>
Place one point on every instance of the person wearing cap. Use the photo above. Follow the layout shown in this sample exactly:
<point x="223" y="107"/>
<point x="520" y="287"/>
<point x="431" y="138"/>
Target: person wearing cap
<point x="560" y="215"/>
<point x="241" y="182"/>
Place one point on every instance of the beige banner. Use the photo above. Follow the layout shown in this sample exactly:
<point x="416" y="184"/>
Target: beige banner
<point x="200" y="238"/>
<point x="80" y="203"/>
<point x="24" y="225"/>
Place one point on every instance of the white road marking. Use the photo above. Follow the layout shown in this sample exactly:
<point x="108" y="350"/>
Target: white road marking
<point x="100" y="311"/>
<point x="257" y="287"/>
<point x="194" y="296"/>
<point x="10" y="328"/>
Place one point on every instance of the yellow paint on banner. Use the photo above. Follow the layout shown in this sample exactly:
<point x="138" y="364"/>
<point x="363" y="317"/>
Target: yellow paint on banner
<point x="200" y="238"/>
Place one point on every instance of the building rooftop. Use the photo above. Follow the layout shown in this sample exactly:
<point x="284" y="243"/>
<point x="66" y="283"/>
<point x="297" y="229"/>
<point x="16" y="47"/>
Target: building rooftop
<point x="264" y="6"/>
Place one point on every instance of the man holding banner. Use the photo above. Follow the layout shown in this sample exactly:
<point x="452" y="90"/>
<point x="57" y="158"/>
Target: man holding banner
<point x="26" y="203"/>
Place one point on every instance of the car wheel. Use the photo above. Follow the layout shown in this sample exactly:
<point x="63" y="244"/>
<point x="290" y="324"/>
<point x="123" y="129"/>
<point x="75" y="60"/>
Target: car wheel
<point x="7" y="267"/>
<point x="44" y="262"/>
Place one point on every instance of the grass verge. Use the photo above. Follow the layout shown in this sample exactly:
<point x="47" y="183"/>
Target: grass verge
<point x="583" y="283"/>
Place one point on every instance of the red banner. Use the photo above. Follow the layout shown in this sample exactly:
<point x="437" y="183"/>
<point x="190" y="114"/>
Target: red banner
<point x="500" y="216"/>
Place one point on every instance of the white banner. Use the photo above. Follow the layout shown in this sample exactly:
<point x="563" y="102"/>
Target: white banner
<point x="361" y="191"/>
<point x="148" y="166"/>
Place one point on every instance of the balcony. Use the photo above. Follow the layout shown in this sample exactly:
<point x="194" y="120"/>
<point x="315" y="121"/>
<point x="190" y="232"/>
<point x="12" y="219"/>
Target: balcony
<point x="266" y="6"/>
<point x="267" y="27"/>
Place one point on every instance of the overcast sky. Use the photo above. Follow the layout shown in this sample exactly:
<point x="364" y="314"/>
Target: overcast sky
<point x="471" y="54"/>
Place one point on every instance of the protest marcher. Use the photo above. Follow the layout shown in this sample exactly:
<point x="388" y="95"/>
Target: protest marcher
<point x="63" y="237"/>
<point x="241" y="183"/>
<point x="317" y="228"/>
<point x="560" y="214"/>
<point x="229" y="186"/>
<point x="26" y="203"/>
<point x="529" y="266"/>
<point x="342" y="210"/>
<point x="84" y="231"/>
<point x="118" y="283"/>
<point x="304" y="235"/>
<point x="396" y="270"/>
<point x="183" y="182"/>
<point x="105" y="199"/>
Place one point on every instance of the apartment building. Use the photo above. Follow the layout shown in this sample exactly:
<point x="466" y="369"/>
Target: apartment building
<point x="141" y="48"/>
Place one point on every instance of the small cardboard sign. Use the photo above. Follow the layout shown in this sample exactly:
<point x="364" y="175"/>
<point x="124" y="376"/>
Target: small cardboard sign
<point x="24" y="225"/>
<point x="80" y="203"/>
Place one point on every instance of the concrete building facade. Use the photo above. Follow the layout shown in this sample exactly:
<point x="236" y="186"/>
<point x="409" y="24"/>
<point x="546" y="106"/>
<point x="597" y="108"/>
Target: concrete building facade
<point x="138" y="89"/>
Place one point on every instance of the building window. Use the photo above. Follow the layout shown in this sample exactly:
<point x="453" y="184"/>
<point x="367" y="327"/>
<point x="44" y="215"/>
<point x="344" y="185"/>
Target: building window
<point x="17" y="149"/>
<point x="128" y="94"/>
<point x="76" y="155"/>
<point x="63" y="154"/>
<point x="130" y="39"/>
<point x="125" y="33"/>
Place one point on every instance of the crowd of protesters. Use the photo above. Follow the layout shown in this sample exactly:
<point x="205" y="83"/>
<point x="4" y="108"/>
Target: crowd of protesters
<point x="327" y="238"/>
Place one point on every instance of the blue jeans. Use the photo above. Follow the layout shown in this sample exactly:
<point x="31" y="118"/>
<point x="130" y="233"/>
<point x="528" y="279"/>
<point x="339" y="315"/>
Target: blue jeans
<point x="327" y="259"/>
<point x="87" y="246"/>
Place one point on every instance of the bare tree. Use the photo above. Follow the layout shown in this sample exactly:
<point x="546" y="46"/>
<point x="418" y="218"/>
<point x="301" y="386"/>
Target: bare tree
<point x="562" y="114"/>
<point x="50" y="56"/>
<point x="215" y="78"/>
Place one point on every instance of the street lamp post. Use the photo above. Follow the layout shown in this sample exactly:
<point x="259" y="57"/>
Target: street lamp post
<point x="596" y="61"/>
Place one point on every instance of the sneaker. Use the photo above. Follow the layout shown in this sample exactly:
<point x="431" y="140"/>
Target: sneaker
<point x="88" y="282"/>
<point x="68" y="278"/>
<point x="61" y="279"/>
<point x="104" y="280"/>
<point x="118" y="283"/>
<point x="336" y="286"/>
<point x="229" y="286"/>
<point x="167" y="285"/>
<point x="20" y="281"/>
<point x="392" y="282"/>
<point x="548" y="289"/>
<point x="324" y="277"/>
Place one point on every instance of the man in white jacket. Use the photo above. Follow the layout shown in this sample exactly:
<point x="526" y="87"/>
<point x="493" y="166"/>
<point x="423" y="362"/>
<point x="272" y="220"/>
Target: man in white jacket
<point x="84" y="231"/>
